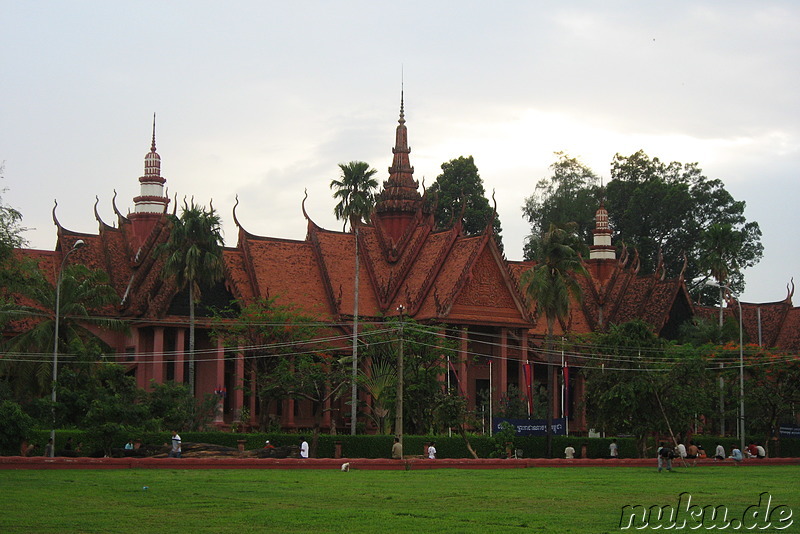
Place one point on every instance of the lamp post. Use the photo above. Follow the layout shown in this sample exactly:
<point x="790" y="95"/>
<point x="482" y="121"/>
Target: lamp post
<point x="741" y="366"/>
<point x="78" y="244"/>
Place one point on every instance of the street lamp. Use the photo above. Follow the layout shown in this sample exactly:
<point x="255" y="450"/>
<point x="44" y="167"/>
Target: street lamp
<point x="78" y="244"/>
<point x="741" y="364"/>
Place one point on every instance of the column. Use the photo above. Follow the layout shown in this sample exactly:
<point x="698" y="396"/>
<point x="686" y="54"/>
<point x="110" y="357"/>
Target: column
<point x="157" y="358"/>
<point x="502" y="366"/>
<point x="219" y="378"/>
<point x="463" y="347"/>
<point x="180" y="354"/>
<point x="238" y="386"/>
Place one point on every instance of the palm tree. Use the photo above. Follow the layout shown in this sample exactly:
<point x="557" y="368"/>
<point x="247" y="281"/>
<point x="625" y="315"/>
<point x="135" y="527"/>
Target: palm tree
<point x="194" y="259"/>
<point x="551" y="283"/>
<point x="356" y="193"/>
<point x="83" y="293"/>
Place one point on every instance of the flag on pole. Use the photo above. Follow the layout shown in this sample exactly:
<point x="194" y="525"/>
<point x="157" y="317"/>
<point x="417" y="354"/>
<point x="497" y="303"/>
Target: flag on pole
<point x="528" y="372"/>
<point x="458" y="379"/>
<point x="566" y="389"/>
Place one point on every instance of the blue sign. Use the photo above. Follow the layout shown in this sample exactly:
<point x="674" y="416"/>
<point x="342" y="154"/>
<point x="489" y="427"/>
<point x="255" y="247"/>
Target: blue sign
<point x="790" y="431"/>
<point x="532" y="427"/>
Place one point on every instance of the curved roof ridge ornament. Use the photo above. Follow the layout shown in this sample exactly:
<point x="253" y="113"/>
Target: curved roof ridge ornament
<point x="311" y="223"/>
<point x="166" y="204"/>
<point x="175" y="206"/>
<point x="120" y="216"/>
<point x="55" y="217"/>
<point x="790" y="293"/>
<point x="490" y="222"/>
<point x="637" y="263"/>
<point x="211" y="205"/>
<point x="236" y="219"/>
<point x="97" y="215"/>
<point x="303" y="205"/>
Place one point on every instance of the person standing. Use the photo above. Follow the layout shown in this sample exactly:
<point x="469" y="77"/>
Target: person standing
<point x="48" y="449"/>
<point x="304" y="449"/>
<point x="397" y="450"/>
<point x="613" y="449"/>
<point x="665" y="455"/>
<point x="432" y="451"/>
<point x="175" y="452"/>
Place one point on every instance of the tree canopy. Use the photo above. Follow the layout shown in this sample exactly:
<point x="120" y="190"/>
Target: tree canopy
<point x="663" y="210"/>
<point x="571" y="194"/>
<point x="460" y="187"/>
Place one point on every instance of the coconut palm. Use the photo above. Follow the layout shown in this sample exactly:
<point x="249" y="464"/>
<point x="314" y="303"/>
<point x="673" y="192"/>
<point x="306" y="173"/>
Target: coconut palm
<point x="552" y="285"/>
<point x="83" y="293"/>
<point x="193" y="259"/>
<point x="356" y="193"/>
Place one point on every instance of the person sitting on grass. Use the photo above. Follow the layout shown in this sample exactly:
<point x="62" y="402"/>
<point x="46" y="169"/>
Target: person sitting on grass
<point x="569" y="452"/>
<point x="736" y="455"/>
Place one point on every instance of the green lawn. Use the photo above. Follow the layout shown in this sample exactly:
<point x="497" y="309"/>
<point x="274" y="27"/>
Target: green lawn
<point x="505" y="500"/>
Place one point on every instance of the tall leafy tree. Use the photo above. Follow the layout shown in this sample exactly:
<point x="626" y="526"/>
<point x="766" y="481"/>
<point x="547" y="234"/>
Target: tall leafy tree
<point x="571" y="194"/>
<point x="552" y="285"/>
<point x="666" y="209"/>
<point x="460" y="187"/>
<point x="637" y="383"/>
<point x="84" y="293"/>
<point x="193" y="259"/>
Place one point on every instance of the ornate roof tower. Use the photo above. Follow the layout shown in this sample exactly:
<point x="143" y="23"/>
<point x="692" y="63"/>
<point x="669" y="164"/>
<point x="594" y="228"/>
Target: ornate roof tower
<point x="151" y="203"/>
<point x="400" y="200"/>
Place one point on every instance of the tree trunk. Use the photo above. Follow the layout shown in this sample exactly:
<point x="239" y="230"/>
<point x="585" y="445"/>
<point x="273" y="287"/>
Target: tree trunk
<point x="466" y="441"/>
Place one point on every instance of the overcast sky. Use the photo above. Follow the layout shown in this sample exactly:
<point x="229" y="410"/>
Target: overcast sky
<point x="263" y="99"/>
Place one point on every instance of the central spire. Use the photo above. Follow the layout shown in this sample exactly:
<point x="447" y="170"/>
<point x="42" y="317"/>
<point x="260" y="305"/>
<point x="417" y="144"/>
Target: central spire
<point x="398" y="203"/>
<point x="400" y="191"/>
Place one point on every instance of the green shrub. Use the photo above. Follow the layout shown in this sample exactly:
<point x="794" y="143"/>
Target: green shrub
<point x="16" y="426"/>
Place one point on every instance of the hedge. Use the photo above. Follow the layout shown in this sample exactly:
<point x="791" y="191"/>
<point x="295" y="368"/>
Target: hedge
<point x="380" y="446"/>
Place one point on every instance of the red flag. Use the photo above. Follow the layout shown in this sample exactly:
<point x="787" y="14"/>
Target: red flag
<point x="527" y="370"/>
<point x="458" y="380"/>
<point x="566" y="389"/>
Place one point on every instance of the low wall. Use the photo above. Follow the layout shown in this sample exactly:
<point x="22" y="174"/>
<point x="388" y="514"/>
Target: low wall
<point x="19" y="462"/>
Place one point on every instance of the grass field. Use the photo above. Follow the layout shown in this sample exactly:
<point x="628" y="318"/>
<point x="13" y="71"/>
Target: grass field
<point x="582" y="500"/>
